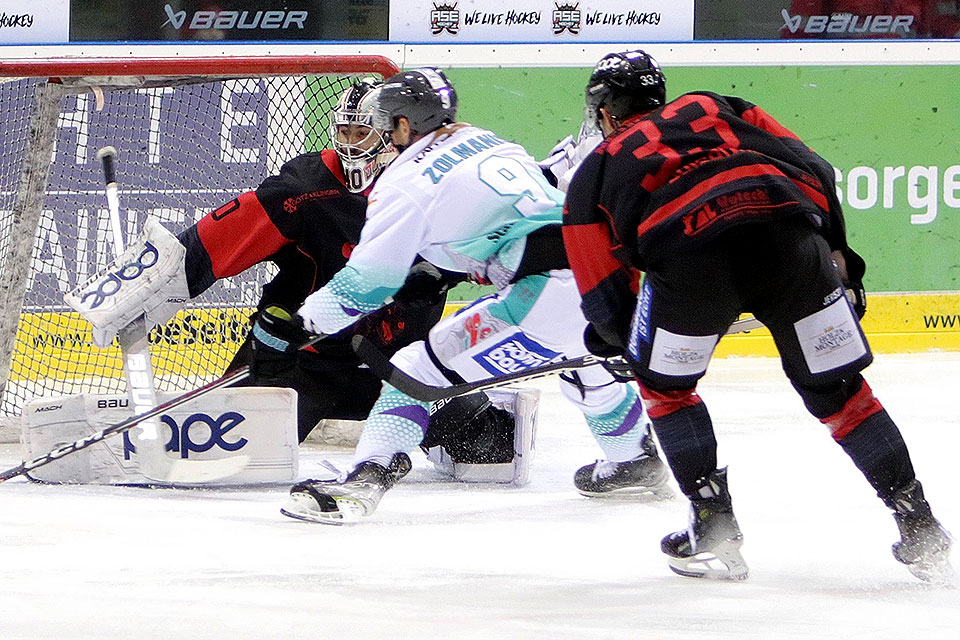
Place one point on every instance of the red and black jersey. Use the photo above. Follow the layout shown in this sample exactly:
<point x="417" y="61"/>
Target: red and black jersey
<point x="668" y="181"/>
<point x="305" y="221"/>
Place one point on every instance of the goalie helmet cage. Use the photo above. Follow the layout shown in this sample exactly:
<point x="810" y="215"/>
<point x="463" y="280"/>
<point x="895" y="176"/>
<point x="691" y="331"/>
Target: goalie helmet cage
<point x="191" y="134"/>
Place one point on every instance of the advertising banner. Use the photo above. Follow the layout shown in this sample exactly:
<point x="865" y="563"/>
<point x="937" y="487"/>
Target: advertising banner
<point x="168" y="167"/>
<point x="228" y="20"/>
<point x="826" y="19"/>
<point x="31" y="22"/>
<point x="889" y="130"/>
<point x="541" y="20"/>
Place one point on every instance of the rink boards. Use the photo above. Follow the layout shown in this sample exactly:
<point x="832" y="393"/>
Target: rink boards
<point x="200" y="340"/>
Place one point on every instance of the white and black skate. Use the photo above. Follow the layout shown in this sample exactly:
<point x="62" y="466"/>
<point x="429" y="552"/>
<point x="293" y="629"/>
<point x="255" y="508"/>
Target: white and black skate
<point x="347" y="500"/>
<point x="645" y="474"/>
<point x="710" y="546"/>
<point x="924" y="544"/>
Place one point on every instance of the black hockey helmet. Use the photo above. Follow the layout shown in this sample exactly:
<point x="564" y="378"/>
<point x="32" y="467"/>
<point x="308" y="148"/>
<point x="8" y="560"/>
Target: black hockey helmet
<point x="623" y="84"/>
<point x="423" y="96"/>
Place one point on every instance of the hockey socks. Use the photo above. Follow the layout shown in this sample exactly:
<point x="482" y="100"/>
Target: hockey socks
<point x="877" y="449"/>
<point x="687" y="440"/>
<point x="620" y="431"/>
<point x="396" y="423"/>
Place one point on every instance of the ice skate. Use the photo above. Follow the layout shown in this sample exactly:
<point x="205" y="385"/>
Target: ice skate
<point x="924" y="544"/>
<point x="710" y="546"/>
<point x="347" y="500"/>
<point x="645" y="474"/>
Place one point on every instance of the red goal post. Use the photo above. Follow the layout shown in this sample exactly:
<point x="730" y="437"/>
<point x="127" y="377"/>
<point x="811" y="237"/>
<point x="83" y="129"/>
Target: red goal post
<point x="191" y="134"/>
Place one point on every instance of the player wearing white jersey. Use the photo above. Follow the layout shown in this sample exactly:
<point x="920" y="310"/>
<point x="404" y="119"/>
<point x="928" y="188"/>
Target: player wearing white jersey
<point x="471" y="202"/>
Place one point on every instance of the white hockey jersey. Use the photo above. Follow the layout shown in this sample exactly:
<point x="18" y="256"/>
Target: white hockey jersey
<point x="462" y="198"/>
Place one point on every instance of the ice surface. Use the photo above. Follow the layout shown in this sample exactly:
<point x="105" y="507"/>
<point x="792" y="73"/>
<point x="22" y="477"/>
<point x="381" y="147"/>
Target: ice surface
<point x="442" y="559"/>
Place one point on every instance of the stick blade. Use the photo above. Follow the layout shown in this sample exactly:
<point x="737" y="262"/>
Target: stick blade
<point x="194" y="471"/>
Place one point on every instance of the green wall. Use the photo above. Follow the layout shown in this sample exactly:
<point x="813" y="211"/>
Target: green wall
<point x="866" y="116"/>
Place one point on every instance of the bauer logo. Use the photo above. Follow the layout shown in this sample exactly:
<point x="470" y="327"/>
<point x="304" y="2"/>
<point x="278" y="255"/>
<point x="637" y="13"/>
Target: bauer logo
<point x="848" y="24"/>
<point x="445" y="17"/>
<point x="229" y="20"/>
<point x="566" y="17"/>
<point x="517" y="353"/>
<point x="199" y="432"/>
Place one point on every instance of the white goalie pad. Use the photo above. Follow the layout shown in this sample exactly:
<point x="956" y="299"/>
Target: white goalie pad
<point x="331" y="432"/>
<point x="257" y="422"/>
<point x="146" y="279"/>
<point x="522" y="404"/>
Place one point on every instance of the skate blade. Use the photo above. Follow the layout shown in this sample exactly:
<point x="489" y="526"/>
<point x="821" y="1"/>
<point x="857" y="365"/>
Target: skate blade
<point x="722" y="563"/>
<point x="656" y="490"/>
<point x="936" y="571"/>
<point x="303" y="507"/>
<point x="663" y="492"/>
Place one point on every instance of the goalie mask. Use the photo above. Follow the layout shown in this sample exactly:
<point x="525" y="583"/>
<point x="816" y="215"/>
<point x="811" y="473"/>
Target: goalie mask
<point x="364" y="151"/>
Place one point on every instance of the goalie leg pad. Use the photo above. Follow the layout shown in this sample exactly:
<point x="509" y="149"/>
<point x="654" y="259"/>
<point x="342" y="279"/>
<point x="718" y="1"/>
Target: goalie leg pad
<point x="148" y="279"/>
<point x="498" y="447"/>
<point x="255" y="422"/>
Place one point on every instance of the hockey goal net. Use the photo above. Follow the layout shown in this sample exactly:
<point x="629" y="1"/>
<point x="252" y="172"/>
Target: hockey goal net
<point x="191" y="134"/>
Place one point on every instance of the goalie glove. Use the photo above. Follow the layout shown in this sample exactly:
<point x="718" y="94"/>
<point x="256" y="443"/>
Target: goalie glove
<point x="276" y="329"/>
<point x="558" y="160"/>
<point x="147" y="279"/>
<point x="425" y="286"/>
<point x="564" y="159"/>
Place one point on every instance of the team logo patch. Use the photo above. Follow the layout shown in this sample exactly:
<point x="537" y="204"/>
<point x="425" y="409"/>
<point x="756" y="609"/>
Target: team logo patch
<point x="445" y="17"/>
<point x="516" y="353"/>
<point x="730" y="206"/>
<point x="829" y="338"/>
<point x="566" y="17"/>
<point x="678" y="355"/>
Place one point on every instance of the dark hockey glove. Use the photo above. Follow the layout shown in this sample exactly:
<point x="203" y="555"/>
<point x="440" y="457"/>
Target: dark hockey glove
<point x="853" y="282"/>
<point x="425" y="286"/>
<point x="615" y="360"/>
<point x="383" y="326"/>
<point x="277" y="330"/>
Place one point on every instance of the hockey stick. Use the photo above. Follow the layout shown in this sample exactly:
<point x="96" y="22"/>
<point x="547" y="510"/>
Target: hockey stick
<point x="127" y="424"/>
<point x="152" y="459"/>
<point x="381" y="367"/>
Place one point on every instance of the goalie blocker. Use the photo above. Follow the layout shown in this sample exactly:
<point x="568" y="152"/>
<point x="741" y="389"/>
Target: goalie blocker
<point x="256" y="422"/>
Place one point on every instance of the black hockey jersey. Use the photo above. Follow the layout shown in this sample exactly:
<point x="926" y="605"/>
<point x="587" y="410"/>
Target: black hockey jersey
<point x="670" y="180"/>
<point x="305" y="221"/>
